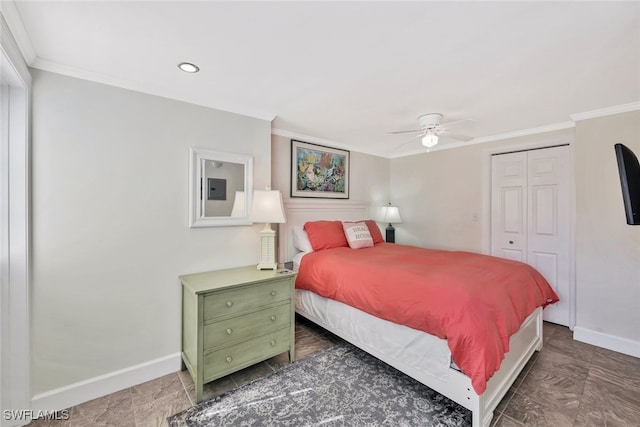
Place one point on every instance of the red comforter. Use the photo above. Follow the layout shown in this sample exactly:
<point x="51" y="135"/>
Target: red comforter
<point x="475" y="302"/>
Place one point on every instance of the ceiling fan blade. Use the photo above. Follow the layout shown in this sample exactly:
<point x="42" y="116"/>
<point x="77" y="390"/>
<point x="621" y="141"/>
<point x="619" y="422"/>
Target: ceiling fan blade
<point x="406" y="142"/>
<point x="404" y="131"/>
<point x="463" y="138"/>
<point x="457" y="123"/>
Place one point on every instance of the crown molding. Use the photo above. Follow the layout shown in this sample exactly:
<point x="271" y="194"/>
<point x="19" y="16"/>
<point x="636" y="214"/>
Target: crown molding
<point x="321" y="141"/>
<point x="617" y="109"/>
<point x="16" y="27"/>
<point x="9" y="48"/>
<point x="524" y="132"/>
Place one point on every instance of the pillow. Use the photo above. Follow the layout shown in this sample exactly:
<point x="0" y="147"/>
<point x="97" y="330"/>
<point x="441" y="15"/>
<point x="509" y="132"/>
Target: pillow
<point x="358" y="235"/>
<point x="376" y="234"/>
<point x="301" y="239"/>
<point x="297" y="259"/>
<point x="325" y="234"/>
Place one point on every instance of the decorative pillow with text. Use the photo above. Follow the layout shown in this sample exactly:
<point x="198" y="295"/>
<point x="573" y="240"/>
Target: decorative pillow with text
<point x="358" y="235"/>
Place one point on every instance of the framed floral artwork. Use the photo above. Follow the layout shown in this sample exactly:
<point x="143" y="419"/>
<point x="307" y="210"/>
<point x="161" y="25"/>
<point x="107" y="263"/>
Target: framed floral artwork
<point x="319" y="171"/>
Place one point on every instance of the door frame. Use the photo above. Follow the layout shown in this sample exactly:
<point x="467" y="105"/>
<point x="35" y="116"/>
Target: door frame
<point x="487" y="153"/>
<point x="15" y="194"/>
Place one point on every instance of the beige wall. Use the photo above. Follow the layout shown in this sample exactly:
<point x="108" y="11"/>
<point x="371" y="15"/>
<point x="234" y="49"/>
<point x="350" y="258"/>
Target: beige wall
<point x="369" y="176"/>
<point x="437" y="194"/>
<point x="110" y="223"/>
<point x="607" y="249"/>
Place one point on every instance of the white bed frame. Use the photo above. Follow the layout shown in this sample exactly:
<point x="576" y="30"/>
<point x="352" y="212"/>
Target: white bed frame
<point x="456" y="386"/>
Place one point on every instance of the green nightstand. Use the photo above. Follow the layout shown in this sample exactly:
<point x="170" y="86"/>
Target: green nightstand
<point x="235" y="318"/>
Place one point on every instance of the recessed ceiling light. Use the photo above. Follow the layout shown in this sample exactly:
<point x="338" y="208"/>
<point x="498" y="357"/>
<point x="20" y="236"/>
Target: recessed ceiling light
<point x="188" y="67"/>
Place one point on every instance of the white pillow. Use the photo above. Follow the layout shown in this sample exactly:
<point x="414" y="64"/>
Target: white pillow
<point x="297" y="259"/>
<point x="301" y="239"/>
<point x="357" y="234"/>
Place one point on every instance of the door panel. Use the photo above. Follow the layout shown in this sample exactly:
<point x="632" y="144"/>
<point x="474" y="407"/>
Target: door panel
<point x="546" y="264"/>
<point x="544" y="211"/>
<point x="512" y="254"/>
<point x="512" y="214"/>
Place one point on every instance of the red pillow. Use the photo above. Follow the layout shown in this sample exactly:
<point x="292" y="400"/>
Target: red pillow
<point x="374" y="230"/>
<point x="325" y="234"/>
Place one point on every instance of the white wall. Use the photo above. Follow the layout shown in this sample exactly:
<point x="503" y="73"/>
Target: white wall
<point x="110" y="223"/>
<point x="607" y="249"/>
<point x="369" y="176"/>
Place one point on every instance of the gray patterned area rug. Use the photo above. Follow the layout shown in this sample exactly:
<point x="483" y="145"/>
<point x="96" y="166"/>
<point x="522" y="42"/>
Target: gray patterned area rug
<point x="341" y="386"/>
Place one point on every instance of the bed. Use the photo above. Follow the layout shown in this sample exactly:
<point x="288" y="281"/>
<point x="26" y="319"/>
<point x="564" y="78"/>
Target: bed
<point x="421" y="355"/>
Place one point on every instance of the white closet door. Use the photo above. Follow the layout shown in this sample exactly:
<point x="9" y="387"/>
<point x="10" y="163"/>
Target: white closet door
<point x="530" y="219"/>
<point x="509" y="206"/>
<point x="549" y="224"/>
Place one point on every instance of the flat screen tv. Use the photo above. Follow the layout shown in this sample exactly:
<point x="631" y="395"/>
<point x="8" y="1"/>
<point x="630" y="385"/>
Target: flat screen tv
<point x="629" y="169"/>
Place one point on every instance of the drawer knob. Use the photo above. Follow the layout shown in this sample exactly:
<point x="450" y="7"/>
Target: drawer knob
<point x="273" y="343"/>
<point x="229" y="331"/>
<point x="229" y="303"/>
<point x="229" y="359"/>
<point x="273" y="293"/>
<point x="273" y="318"/>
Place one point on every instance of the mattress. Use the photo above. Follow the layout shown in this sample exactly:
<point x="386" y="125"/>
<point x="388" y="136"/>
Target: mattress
<point x="406" y="345"/>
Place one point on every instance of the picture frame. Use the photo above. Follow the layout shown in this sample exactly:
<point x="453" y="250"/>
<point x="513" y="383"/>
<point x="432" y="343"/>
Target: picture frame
<point x="318" y="171"/>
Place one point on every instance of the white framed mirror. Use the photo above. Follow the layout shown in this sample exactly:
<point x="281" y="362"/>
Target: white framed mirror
<point x="220" y="188"/>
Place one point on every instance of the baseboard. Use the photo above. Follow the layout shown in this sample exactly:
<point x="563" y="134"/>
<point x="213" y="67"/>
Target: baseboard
<point x="83" y="391"/>
<point x="610" y="342"/>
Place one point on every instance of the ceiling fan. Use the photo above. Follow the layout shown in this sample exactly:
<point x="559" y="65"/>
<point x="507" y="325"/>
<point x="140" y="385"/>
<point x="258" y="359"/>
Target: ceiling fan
<point x="431" y="127"/>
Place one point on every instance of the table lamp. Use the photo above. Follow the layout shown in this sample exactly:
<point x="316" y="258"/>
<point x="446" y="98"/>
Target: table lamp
<point x="391" y="214"/>
<point x="267" y="207"/>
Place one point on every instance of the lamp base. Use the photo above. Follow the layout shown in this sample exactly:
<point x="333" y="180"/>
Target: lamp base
<point x="391" y="234"/>
<point x="267" y="249"/>
<point x="267" y="266"/>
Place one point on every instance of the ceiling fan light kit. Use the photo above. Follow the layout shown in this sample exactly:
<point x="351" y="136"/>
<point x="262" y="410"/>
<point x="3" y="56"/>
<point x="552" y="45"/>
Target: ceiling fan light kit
<point x="430" y="139"/>
<point x="429" y="124"/>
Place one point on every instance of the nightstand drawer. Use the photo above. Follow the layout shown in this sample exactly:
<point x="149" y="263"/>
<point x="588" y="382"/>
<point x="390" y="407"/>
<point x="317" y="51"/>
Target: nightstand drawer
<point x="230" y="302"/>
<point x="221" y="362"/>
<point x="226" y="332"/>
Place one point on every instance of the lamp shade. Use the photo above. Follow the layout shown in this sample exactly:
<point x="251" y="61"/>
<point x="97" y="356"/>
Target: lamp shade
<point x="391" y="214"/>
<point x="267" y="207"/>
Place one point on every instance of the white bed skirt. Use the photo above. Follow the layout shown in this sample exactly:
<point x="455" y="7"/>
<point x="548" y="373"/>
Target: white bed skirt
<point x="407" y="346"/>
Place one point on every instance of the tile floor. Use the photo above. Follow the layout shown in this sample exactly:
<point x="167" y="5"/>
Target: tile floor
<point x="568" y="383"/>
